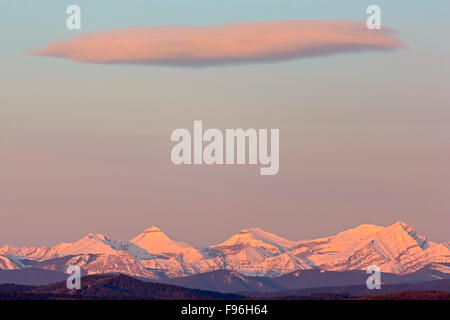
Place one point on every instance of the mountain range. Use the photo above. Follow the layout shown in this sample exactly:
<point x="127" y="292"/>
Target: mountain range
<point x="397" y="249"/>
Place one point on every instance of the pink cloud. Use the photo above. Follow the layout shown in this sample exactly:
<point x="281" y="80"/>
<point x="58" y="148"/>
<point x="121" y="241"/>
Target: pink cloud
<point x="224" y="44"/>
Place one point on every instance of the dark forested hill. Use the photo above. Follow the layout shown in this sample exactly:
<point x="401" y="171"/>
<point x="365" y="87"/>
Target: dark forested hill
<point x="108" y="287"/>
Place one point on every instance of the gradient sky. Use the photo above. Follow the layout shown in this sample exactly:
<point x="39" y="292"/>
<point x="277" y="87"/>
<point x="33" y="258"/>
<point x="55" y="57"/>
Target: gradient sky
<point x="364" y="137"/>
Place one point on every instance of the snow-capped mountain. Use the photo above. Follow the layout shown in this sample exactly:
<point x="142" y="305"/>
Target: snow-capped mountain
<point x="258" y="253"/>
<point x="99" y="244"/>
<point x="34" y="253"/>
<point x="155" y="241"/>
<point x="268" y="243"/>
<point x="90" y="244"/>
<point x="94" y="253"/>
<point x="98" y="263"/>
<point x="174" y="258"/>
<point x="8" y="262"/>
<point x="252" y="252"/>
<point x="396" y="248"/>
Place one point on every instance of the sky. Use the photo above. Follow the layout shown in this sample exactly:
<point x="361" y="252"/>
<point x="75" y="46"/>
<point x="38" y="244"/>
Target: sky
<point x="85" y="146"/>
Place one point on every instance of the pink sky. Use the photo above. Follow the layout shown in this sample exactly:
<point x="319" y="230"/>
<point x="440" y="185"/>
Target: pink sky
<point x="85" y="147"/>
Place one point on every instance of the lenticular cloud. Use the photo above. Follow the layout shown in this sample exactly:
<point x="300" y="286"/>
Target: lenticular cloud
<point x="225" y="44"/>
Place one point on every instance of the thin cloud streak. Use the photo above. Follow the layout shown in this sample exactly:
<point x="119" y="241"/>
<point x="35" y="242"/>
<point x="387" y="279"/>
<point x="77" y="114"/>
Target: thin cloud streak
<point x="235" y="43"/>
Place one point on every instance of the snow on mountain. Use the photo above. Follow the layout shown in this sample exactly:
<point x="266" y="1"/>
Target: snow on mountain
<point x="116" y="263"/>
<point x="154" y="241"/>
<point x="255" y="252"/>
<point x="396" y="248"/>
<point x="175" y="259"/>
<point x="90" y="244"/>
<point x="89" y="263"/>
<point x="267" y="267"/>
<point x="35" y="253"/>
<point x="441" y="267"/>
<point x="94" y="253"/>
<point x="252" y="252"/>
<point x="255" y="238"/>
<point x="99" y="244"/>
<point x="7" y="264"/>
<point x="340" y="246"/>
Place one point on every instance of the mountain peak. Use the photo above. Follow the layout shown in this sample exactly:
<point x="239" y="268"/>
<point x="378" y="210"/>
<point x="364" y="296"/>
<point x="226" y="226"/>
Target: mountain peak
<point x="402" y="224"/>
<point x="155" y="241"/>
<point x="152" y="229"/>
<point x="256" y="237"/>
<point x="359" y="232"/>
<point x="409" y="232"/>
<point x="96" y="236"/>
<point x="363" y="231"/>
<point x="92" y="243"/>
<point x="398" y="232"/>
<point x="254" y="231"/>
